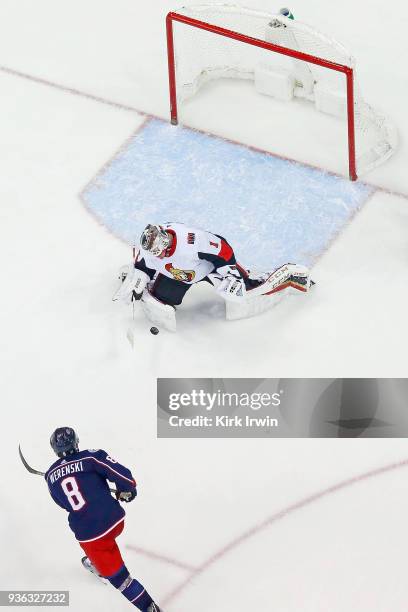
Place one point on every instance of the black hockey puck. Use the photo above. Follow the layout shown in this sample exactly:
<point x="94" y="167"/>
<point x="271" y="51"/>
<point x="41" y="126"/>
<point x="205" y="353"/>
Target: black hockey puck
<point x="154" y="331"/>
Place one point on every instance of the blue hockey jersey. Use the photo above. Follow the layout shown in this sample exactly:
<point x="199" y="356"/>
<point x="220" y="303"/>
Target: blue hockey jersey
<point x="78" y="483"/>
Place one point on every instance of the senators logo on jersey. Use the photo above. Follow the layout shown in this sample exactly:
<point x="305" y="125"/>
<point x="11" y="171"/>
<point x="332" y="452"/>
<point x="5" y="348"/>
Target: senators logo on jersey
<point x="185" y="276"/>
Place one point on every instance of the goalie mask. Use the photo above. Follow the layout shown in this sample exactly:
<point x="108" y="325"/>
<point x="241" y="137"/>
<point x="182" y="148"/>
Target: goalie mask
<point x="155" y="240"/>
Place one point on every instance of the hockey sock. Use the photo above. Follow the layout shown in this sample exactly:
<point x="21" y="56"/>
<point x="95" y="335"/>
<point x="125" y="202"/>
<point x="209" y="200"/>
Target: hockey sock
<point x="131" y="589"/>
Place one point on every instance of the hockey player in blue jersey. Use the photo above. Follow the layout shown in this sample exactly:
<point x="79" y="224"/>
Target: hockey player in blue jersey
<point x="77" y="482"/>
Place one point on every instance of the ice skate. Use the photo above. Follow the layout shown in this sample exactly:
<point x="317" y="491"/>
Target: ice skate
<point x="91" y="568"/>
<point x="154" y="608"/>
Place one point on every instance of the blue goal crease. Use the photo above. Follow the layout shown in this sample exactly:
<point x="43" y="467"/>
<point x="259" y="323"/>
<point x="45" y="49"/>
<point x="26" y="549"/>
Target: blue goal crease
<point x="271" y="210"/>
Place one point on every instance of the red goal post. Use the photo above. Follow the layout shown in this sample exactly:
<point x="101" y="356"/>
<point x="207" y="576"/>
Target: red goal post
<point x="256" y="42"/>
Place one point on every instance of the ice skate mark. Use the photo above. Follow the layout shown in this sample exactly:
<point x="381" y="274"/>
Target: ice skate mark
<point x="275" y="518"/>
<point x="162" y="558"/>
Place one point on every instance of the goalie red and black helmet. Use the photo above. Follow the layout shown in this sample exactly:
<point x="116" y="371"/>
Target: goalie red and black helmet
<point x="64" y="441"/>
<point x="155" y="239"/>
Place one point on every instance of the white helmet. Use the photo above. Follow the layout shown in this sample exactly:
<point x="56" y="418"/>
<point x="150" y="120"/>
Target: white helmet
<point x="155" y="239"/>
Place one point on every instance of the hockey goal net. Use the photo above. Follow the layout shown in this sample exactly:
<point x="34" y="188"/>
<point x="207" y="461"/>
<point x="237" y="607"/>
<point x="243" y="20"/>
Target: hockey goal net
<point x="208" y="42"/>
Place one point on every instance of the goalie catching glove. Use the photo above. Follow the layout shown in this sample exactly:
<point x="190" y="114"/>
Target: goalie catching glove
<point x="134" y="282"/>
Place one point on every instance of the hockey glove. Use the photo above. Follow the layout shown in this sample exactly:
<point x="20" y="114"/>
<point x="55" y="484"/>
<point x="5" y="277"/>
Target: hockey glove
<point x="126" y="496"/>
<point x="232" y="288"/>
<point x="133" y="285"/>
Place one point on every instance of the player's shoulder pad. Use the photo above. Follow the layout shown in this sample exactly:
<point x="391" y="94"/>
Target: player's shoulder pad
<point x="98" y="453"/>
<point x="104" y="455"/>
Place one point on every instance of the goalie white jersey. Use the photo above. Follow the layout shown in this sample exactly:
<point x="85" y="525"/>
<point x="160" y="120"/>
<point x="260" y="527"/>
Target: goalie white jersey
<point x="191" y="256"/>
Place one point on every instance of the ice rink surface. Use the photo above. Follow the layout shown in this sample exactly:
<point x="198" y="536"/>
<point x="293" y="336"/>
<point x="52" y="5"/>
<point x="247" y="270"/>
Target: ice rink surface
<point x="273" y="212"/>
<point x="219" y="524"/>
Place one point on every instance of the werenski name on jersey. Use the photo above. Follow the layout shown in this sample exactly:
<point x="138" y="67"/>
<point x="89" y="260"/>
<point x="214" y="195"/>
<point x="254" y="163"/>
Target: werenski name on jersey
<point x="70" y="468"/>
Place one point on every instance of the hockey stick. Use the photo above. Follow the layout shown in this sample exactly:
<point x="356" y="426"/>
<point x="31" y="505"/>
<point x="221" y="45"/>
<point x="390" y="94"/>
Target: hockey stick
<point x="27" y="466"/>
<point x="130" y="334"/>
<point x="37" y="472"/>
<point x="135" y="297"/>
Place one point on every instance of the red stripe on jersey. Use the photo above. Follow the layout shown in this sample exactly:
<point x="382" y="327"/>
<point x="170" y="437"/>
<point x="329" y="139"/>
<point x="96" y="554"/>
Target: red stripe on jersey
<point x="171" y="250"/>
<point x="226" y="251"/>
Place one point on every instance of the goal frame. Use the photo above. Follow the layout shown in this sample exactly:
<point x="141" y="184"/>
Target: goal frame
<point x="257" y="42"/>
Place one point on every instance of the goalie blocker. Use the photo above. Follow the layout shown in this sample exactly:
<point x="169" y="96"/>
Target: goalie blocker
<point x="173" y="257"/>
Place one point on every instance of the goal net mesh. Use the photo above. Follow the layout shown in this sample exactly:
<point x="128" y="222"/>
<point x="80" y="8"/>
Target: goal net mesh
<point x="201" y="56"/>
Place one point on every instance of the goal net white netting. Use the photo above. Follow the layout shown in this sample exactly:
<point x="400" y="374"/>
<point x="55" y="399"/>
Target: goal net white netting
<point x="204" y="55"/>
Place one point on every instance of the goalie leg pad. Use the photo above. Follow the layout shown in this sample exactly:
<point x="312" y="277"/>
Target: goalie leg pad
<point x="251" y="307"/>
<point x="299" y="279"/>
<point x="290" y="278"/>
<point x="162" y="315"/>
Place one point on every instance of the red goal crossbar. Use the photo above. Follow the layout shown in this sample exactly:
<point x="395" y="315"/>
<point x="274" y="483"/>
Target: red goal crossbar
<point x="257" y="42"/>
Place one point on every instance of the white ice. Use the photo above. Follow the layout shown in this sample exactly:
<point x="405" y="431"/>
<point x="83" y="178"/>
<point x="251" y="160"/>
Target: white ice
<point x="65" y="358"/>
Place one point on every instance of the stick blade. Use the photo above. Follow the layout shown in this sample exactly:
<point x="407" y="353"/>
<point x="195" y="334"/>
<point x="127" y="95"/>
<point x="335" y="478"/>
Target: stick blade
<point x="130" y="335"/>
<point x="27" y="466"/>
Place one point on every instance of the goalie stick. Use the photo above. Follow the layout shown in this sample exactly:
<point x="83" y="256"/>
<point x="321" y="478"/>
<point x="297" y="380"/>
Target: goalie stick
<point x="130" y="334"/>
<point x="37" y="472"/>
<point x="135" y="297"/>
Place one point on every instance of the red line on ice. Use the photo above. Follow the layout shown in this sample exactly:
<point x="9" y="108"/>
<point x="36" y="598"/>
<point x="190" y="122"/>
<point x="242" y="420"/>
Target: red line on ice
<point x="274" y="518"/>
<point x="162" y="558"/>
<point x="71" y="90"/>
<point x="119" y="105"/>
